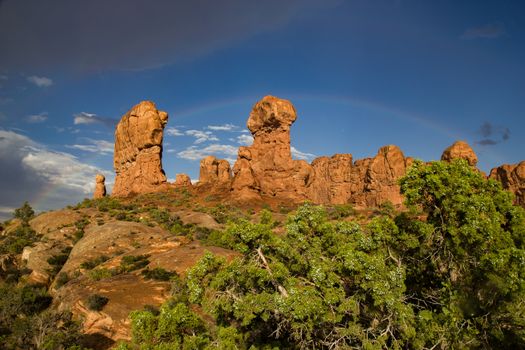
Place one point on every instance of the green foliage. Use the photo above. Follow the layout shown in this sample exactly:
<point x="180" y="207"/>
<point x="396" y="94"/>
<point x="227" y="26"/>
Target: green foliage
<point x="96" y="302"/>
<point x="340" y="211"/>
<point x="92" y="263"/>
<point x="102" y="273"/>
<point x="133" y="262"/>
<point x="15" y="242"/>
<point x="24" y="213"/>
<point x="62" y="278"/>
<point x="57" y="261"/>
<point x="158" y="274"/>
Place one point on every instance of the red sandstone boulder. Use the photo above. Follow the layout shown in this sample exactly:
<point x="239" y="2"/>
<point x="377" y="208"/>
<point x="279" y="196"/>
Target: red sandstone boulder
<point x="182" y="180"/>
<point x="512" y="177"/>
<point x="462" y="150"/>
<point x="138" y="150"/>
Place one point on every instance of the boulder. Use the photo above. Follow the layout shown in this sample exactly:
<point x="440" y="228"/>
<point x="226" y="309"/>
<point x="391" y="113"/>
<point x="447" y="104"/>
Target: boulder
<point x="512" y="177"/>
<point x="461" y="150"/>
<point x="100" y="187"/>
<point x="182" y="180"/>
<point x="138" y="151"/>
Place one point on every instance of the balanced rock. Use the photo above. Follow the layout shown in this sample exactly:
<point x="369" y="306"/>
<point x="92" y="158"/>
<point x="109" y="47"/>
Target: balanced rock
<point x="461" y="150"/>
<point x="213" y="170"/>
<point x="182" y="180"/>
<point x="138" y="150"/>
<point x="100" y="187"/>
<point x="266" y="167"/>
<point x="512" y="177"/>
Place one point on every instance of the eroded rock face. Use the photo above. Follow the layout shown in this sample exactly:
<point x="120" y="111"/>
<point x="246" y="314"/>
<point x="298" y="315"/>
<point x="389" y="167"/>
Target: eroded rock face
<point x="266" y="167"/>
<point x="182" y="180"/>
<point x="462" y="150"/>
<point x="512" y="177"/>
<point x="213" y="170"/>
<point x="100" y="187"/>
<point x="366" y="182"/>
<point x="138" y="150"/>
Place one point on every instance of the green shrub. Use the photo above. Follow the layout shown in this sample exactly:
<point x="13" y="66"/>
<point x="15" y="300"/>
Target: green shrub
<point x="15" y="242"/>
<point x="61" y="279"/>
<point x="24" y="213"/>
<point x="96" y="302"/>
<point x="130" y="263"/>
<point x="57" y="261"/>
<point x="101" y="273"/>
<point x="158" y="274"/>
<point x="91" y="264"/>
<point x="340" y="211"/>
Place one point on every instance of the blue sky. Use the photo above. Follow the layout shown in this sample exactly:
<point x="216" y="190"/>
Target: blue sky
<point x="361" y="74"/>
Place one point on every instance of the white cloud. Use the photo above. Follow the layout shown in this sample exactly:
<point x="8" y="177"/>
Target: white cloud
<point x="46" y="178"/>
<point x="201" y="136"/>
<point x="223" y="127"/>
<point x="301" y="155"/>
<point x="90" y="118"/>
<point x="85" y="118"/>
<point x="174" y="132"/>
<point x="195" y="153"/>
<point x="37" y="118"/>
<point x="95" y="146"/>
<point x="40" y="81"/>
<point x="244" y="139"/>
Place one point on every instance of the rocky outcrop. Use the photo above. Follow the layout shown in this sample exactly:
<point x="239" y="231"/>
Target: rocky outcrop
<point x="512" y="177"/>
<point x="138" y="150"/>
<point x="182" y="180"/>
<point x="266" y="167"/>
<point x="213" y="170"/>
<point x="367" y="182"/>
<point x="100" y="187"/>
<point x="460" y="150"/>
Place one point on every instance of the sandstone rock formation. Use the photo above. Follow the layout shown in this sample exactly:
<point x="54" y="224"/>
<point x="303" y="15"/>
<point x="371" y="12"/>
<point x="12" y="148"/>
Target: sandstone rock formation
<point x="138" y="150"/>
<point x="266" y="167"/>
<point x="100" y="187"/>
<point x="366" y="182"/>
<point x="182" y="180"/>
<point x="214" y="170"/>
<point x="512" y="178"/>
<point x="462" y="150"/>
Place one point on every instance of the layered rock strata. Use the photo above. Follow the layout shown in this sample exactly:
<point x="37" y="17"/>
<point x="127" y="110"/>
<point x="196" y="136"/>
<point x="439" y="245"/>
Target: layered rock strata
<point x="138" y="150"/>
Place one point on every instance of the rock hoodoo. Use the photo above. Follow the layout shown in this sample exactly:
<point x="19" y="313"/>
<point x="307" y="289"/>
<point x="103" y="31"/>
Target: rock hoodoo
<point x="213" y="170"/>
<point x="266" y="167"/>
<point x="100" y="187"/>
<point x="460" y="149"/>
<point x="512" y="177"/>
<point x="138" y="150"/>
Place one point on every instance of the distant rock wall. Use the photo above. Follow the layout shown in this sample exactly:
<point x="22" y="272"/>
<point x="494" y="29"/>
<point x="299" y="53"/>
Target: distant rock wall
<point x="138" y="150"/>
<point x="512" y="177"/>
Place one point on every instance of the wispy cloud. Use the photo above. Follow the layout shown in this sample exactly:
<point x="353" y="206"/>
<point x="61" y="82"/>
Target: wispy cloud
<point x="201" y="136"/>
<point x="174" y="132"/>
<point x="90" y="118"/>
<point x="37" y="118"/>
<point x="492" y="134"/>
<point x="196" y="153"/>
<point x="40" y="81"/>
<point x="488" y="31"/>
<point x="223" y="127"/>
<point x="244" y="139"/>
<point x="302" y="155"/>
<point x="94" y="146"/>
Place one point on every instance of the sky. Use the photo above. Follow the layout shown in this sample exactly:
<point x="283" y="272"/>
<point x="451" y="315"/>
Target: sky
<point x="361" y="74"/>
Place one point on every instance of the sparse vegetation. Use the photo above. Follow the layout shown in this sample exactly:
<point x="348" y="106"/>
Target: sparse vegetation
<point x="92" y="263"/>
<point x="96" y="302"/>
<point x="102" y="273"/>
<point x="24" y="213"/>
<point x="158" y="274"/>
<point x="133" y="262"/>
